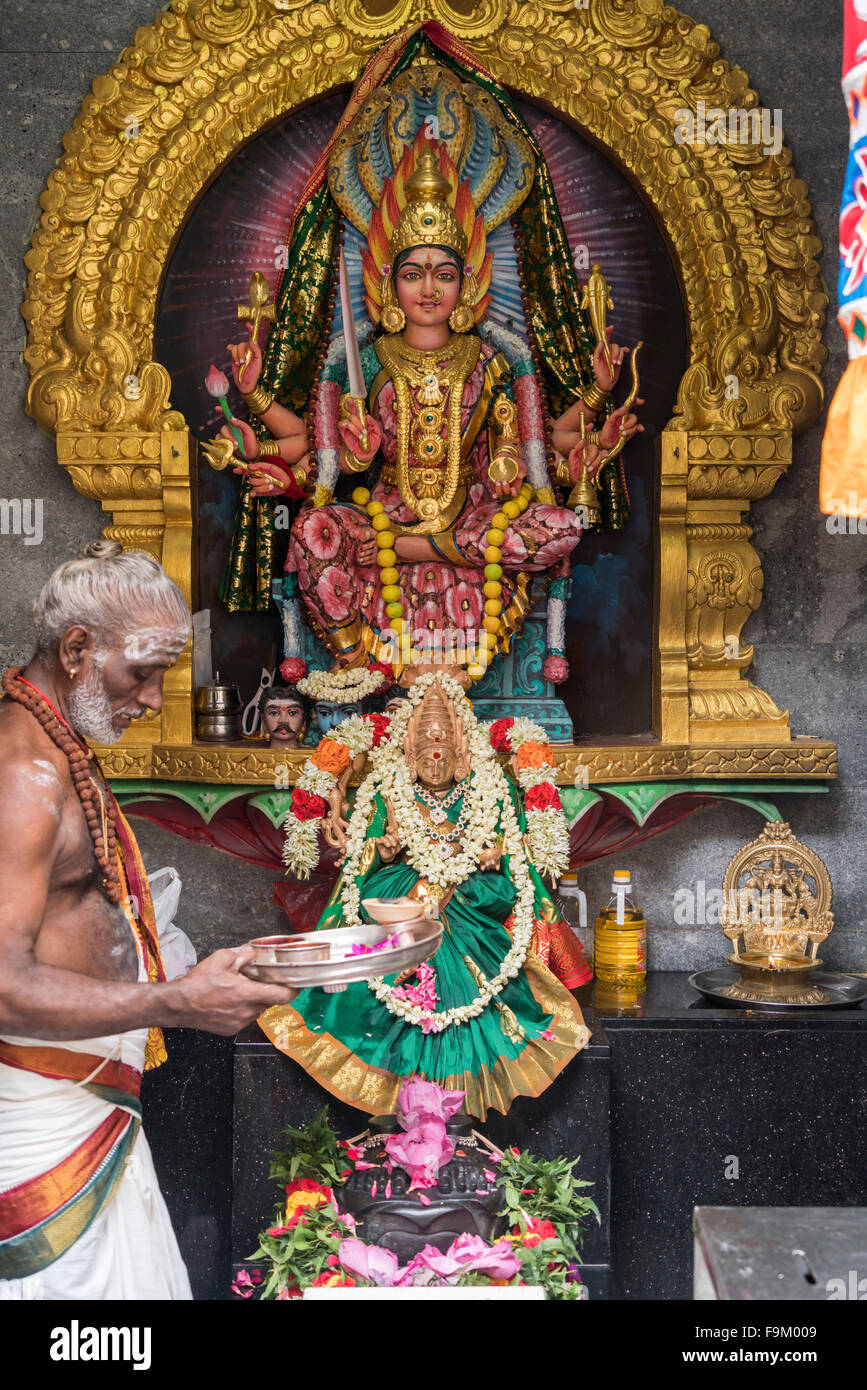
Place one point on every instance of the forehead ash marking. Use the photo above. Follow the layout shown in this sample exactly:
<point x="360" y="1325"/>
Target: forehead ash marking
<point x="150" y="643"/>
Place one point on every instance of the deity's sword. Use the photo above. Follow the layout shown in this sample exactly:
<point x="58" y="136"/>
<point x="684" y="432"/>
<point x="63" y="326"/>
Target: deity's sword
<point x="357" y="389"/>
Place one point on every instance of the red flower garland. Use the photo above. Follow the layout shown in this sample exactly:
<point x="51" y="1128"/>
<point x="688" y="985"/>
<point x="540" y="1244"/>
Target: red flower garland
<point x="380" y="723"/>
<point x="543" y="797"/>
<point x="500" y="735"/>
<point x="307" y="805"/>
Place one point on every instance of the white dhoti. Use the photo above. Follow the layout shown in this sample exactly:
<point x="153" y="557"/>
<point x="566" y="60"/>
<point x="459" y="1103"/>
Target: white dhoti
<point x="127" y="1248"/>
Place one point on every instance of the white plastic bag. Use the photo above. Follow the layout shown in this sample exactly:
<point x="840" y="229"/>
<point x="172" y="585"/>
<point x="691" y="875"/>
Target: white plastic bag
<point x="176" y="948"/>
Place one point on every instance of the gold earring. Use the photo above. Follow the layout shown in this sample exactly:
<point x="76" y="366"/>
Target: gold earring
<point x="461" y="318"/>
<point x="392" y="318"/>
<point x="73" y="673"/>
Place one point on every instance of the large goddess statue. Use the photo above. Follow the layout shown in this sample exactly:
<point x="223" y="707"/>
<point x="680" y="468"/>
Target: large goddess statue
<point x="425" y="444"/>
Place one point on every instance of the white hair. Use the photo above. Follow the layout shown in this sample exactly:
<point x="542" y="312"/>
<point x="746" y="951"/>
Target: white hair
<point x="112" y="593"/>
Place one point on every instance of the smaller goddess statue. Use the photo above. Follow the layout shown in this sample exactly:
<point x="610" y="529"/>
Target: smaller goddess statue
<point x="437" y="820"/>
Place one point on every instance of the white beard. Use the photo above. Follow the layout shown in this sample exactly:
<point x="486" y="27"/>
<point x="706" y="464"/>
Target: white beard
<point x="90" y="711"/>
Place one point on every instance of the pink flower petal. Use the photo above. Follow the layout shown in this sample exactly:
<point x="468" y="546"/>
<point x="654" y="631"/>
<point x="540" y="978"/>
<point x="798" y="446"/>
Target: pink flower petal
<point x="425" y="1201"/>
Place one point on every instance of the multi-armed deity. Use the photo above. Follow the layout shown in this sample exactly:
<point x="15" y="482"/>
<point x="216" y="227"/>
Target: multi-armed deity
<point x="428" y="441"/>
<point x="475" y="382"/>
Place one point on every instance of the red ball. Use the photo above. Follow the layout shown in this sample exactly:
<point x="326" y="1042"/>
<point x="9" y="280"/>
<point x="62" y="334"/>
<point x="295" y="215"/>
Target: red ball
<point x="293" y="669"/>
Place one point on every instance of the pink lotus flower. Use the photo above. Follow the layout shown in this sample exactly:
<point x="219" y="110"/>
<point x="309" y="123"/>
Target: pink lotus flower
<point x="466" y="1253"/>
<point x="422" y="1151"/>
<point x="369" y="1262"/>
<point x="424" y="1100"/>
<point x="216" y="382"/>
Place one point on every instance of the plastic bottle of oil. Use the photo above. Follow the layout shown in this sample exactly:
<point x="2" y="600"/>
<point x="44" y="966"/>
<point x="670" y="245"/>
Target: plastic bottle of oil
<point x="620" y="938"/>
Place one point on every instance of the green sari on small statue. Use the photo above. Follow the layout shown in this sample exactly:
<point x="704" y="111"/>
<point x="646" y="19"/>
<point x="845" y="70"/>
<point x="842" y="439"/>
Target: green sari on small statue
<point x="359" y="1051"/>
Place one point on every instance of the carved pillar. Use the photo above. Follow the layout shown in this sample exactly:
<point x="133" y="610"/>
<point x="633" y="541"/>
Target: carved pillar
<point x="724" y="585"/>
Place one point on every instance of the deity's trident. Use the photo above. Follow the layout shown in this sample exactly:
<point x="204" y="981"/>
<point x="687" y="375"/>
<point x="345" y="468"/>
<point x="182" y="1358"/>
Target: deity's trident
<point x="357" y="389"/>
<point x="257" y="310"/>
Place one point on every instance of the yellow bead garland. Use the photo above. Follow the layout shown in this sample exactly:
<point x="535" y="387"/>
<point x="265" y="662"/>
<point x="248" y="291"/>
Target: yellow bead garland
<point x="492" y="623"/>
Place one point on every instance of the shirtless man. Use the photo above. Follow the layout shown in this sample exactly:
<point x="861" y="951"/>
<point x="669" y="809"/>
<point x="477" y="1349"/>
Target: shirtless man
<point x="109" y="626"/>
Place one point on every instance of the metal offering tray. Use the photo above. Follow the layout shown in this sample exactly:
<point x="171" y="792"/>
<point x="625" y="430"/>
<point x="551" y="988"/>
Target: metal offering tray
<point x="325" y="959"/>
<point x="779" y="992"/>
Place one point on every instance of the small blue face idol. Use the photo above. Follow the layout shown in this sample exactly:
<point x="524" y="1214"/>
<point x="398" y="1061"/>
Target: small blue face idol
<point x="327" y="714"/>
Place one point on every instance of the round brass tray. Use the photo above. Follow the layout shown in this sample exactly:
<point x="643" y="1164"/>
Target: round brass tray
<point x="825" y="989"/>
<point x="323" y="959"/>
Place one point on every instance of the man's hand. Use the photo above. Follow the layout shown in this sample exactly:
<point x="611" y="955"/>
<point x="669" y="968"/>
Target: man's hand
<point x="215" y="996"/>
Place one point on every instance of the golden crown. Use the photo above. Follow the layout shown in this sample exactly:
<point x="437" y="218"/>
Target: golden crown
<point x="427" y="219"/>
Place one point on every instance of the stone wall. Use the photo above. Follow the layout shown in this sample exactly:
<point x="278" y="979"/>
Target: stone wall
<point x="810" y="632"/>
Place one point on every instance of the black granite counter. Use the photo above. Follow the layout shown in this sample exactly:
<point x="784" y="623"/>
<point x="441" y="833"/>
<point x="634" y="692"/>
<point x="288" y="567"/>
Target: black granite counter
<point x="688" y="1105"/>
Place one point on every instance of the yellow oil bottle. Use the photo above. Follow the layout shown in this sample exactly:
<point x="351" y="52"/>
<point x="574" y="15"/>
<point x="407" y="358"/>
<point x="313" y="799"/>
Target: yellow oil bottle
<point x="620" y="938"/>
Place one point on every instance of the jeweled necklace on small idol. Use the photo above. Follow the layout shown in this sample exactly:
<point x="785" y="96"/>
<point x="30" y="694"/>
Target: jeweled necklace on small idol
<point x="440" y="804"/>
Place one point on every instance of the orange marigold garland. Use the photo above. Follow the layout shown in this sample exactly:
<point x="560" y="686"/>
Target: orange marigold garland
<point x="319" y="778"/>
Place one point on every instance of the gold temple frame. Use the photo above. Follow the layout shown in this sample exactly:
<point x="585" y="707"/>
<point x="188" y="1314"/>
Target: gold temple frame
<point x="207" y="76"/>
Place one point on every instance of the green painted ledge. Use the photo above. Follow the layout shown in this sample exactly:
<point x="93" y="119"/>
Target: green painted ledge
<point x="639" y="798"/>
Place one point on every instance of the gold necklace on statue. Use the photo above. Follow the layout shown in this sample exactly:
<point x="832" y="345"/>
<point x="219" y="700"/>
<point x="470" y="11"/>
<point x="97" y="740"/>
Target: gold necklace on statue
<point x="437" y="378"/>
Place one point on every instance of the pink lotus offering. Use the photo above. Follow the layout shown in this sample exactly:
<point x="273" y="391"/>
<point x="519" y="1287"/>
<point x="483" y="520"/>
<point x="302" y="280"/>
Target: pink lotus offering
<point x="424" y="1147"/>
<point x="217" y="385"/>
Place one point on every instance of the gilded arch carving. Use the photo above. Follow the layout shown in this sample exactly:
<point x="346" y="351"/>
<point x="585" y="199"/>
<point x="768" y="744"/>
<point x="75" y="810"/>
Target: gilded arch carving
<point x="208" y="75"/>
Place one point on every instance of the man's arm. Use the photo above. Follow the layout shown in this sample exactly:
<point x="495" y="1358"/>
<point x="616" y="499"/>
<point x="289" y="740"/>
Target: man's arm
<point x="44" y="1001"/>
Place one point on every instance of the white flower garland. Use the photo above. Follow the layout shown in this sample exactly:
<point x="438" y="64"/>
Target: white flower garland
<point x="547" y="831"/>
<point x="341" y="687"/>
<point x="301" y="845"/>
<point x="487" y="800"/>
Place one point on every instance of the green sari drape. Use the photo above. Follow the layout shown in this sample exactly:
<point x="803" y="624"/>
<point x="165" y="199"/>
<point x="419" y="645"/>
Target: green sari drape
<point x="353" y="1046"/>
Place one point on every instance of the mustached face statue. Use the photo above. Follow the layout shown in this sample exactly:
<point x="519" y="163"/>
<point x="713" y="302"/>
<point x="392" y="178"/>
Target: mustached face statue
<point x="283" y="721"/>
